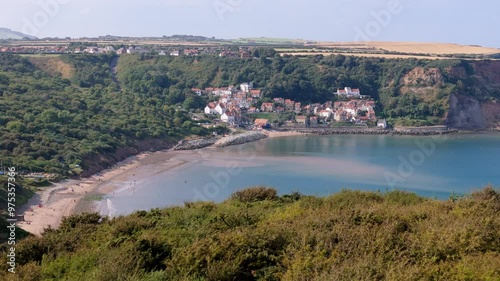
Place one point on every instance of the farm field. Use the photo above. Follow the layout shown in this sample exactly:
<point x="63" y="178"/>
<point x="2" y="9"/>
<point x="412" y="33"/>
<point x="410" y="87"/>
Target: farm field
<point x="414" y="47"/>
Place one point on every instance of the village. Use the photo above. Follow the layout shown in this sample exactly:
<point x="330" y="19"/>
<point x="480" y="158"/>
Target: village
<point x="220" y="51"/>
<point x="237" y="105"/>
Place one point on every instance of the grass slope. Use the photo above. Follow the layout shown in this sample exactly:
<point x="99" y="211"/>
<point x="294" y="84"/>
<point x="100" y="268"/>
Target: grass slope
<point x="256" y="235"/>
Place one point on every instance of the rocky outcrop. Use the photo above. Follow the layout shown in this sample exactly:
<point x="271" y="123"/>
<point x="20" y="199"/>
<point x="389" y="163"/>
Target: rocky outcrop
<point x="423" y="77"/>
<point x="465" y="113"/>
<point x="195" y="144"/>
<point x="240" y="139"/>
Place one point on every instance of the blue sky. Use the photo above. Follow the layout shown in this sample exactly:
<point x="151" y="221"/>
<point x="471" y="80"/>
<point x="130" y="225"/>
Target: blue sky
<point x="451" y="21"/>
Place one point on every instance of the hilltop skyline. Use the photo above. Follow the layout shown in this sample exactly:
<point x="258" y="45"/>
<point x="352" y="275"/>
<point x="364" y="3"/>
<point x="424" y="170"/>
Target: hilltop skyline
<point x="461" y="21"/>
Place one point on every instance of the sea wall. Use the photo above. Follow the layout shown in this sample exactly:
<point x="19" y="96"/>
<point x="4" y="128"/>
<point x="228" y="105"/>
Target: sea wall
<point x="425" y="129"/>
<point x="416" y="131"/>
<point x="240" y="139"/>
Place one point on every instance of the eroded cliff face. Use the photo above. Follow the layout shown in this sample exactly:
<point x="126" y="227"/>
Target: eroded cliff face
<point x="477" y="106"/>
<point x="475" y="101"/>
<point x="465" y="113"/>
<point x="423" y="77"/>
<point x="491" y="111"/>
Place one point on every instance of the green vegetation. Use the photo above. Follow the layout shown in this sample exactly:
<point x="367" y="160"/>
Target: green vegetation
<point x="52" y="124"/>
<point x="23" y="194"/>
<point x="424" y="96"/>
<point x="257" y="235"/>
<point x="62" y="114"/>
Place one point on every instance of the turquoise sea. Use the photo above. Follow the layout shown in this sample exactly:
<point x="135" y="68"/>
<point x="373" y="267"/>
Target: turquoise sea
<point x="431" y="166"/>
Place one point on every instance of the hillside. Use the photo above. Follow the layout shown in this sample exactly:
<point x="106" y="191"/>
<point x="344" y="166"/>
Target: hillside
<point x="57" y="112"/>
<point x="408" y="91"/>
<point x="60" y="112"/>
<point x="6" y="33"/>
<point x="256" y="235"/>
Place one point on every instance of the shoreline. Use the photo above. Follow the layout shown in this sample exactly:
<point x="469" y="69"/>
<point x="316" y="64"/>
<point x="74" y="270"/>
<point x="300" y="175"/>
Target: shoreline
<point x="48" y="207"/>
<point x="69" y="197"/>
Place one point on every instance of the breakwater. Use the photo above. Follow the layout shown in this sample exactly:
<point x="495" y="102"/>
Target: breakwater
<point x="240" y="139"/>
<point x="195" y="144"/>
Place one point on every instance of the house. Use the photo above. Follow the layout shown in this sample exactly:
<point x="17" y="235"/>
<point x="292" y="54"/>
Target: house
<point x="371" y="114"/>
<point x="298" y="107"/>
<point x="245" y="54"/>
<point x="325" y="114"/>
<point x="231" y="117"/>
<point x="191" y="52"/>
<point x="340" y="116"/>
<point x="279" y="100"/>
<point x="246" y="87"/>
<point x="220" y="108"/>
<point x="221" y="91"/>
<point x="313" y="121"/>
<point x="362" y="120"/>
<point x="224" y="99"/>
<point x="210" y="108"/>
<point x="91" y="50"/>
<point x="262" y="123"/>
<point x="382" y="123"/>
<point x="175" y="53"/>
<point x="301" y="120"/>
<point x="121" y="51"/>
<point x="253" y="109"/>
<point x="349" y="92"/>
<point x="197" y="91"/>
<point x="289" y="104"/>
<point x="308" y="108"/>
<point x="130" y="50"/>
<point x="256" y="94"/>
<point x="162" y="53"/>
<point x="267" y="107"/>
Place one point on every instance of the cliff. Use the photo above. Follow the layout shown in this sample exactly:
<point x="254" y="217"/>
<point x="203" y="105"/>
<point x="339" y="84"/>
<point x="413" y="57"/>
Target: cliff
<point x="467" y="90"/>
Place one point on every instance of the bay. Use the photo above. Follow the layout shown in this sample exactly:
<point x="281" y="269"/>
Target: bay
<point x="431" y="166"/>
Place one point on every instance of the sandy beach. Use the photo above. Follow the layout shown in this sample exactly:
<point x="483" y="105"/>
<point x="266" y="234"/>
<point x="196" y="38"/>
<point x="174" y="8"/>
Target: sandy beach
<point x="50" y="206"/>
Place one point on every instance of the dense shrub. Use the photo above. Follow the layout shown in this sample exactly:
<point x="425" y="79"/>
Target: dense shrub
<point x="254" y="194"/>
<point x="352" y="235"/>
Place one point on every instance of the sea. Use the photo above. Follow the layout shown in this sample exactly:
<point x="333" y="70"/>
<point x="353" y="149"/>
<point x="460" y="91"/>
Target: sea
<point x="431" y="166"/>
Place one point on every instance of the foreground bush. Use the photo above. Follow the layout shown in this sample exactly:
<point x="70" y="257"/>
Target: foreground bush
<point x="255" y="194"/>
<point x="351" y="235"/>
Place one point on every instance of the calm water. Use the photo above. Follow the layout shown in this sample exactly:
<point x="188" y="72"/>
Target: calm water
<point x="321" y="165"/>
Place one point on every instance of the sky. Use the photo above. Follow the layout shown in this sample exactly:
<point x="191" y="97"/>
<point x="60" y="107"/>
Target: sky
<point x="448" y="21"/>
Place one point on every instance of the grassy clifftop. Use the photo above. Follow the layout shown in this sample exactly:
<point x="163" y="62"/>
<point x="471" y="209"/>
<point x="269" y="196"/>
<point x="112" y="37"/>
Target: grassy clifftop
<point x="256" y="235"/>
